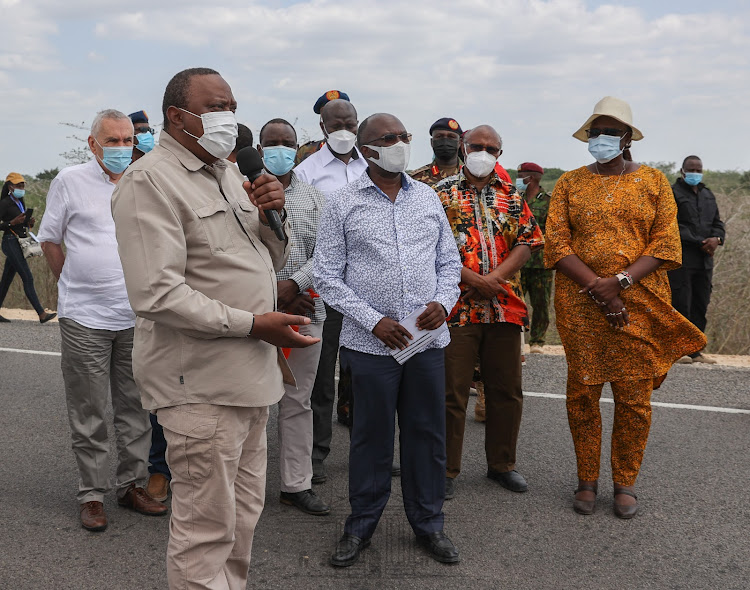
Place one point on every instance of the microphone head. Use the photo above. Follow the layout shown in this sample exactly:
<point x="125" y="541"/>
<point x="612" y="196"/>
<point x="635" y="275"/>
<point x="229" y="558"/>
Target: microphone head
<point x="250" y="163"/>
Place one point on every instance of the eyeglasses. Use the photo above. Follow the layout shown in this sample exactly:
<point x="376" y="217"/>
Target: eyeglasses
<point x="392" y="138"/>
<point x="144" y="130"/>
<point x="596" y="132"/>
<point x="478" y="147"/>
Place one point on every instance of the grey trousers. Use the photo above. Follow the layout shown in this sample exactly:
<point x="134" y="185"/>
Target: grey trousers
<point x="296" y="416"/>
<point x="94" y="361"/>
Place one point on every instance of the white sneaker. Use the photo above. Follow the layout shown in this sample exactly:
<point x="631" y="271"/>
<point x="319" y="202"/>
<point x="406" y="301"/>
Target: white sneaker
<point x="536" y="349"/>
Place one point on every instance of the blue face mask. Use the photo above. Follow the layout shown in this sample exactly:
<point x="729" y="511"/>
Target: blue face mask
<point x="279" y="159"/>
<point x="18" y="193"/>
<point x="521" y="185"/>
<point x="116" y="159"/>
<point x="605" y="148"/>
<point x="693" y="178"/>
<point x="145" y="142"/>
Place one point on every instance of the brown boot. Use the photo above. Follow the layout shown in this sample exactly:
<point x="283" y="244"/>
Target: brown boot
<point x="138" y="499"/>
<point x="158" y="487"/>
<point x="93" y="517"/>
<point x="480" y="414"/>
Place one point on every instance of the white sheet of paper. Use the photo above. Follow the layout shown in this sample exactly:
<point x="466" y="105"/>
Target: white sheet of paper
<point x="422" y="338"/>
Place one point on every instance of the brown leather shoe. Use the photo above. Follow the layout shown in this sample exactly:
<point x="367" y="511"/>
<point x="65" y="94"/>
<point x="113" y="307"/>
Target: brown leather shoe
<point x="93" y="517"/>
<point x="138" y="499"/>
<point x="625" y="511"/>
<point x="158" y="487"/>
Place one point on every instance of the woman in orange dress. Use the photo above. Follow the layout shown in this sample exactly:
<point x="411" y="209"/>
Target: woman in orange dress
<point x="612" y="235"/>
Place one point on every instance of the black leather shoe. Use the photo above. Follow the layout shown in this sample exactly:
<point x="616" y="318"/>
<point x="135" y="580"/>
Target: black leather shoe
<point x="395" y="470"/>
<point x="319" y="473"/>
<point x="450" y="488"/>
<point x="510" y="480"/>
<point x="306" y="501"/>
<point x="47" y="317"/>
<point x="4" y="320"/>
<point x="347" y="550"/>
<point x="440" y="547"/>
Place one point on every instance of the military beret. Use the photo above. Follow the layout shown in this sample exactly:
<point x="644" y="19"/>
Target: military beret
<point x="530" y="167"/>
<point x="328" y="97"/>
<point x="448" y="124"/>
<point x="138" y="117"/>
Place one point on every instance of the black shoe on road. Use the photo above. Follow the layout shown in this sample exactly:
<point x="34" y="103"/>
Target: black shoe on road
<point x="347" y="550"/>
<point x="440" y="547"/>
<point x="510" y="480"/>
<point x="306" y="501"/>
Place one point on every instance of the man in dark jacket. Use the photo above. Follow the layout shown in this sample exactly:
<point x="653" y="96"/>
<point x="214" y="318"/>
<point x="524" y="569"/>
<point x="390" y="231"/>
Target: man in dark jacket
<point x="701" y="232"/>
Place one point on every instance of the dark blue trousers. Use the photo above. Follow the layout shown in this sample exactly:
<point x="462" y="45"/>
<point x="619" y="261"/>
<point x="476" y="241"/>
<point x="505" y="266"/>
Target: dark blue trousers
<point x="157" y="454"/>
<point x="381" y="389"/>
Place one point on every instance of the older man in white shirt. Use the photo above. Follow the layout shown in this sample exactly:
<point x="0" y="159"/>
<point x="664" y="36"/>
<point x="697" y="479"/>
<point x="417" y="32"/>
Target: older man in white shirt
<point x="333" y="166"/>
<point x="96" y="324"/>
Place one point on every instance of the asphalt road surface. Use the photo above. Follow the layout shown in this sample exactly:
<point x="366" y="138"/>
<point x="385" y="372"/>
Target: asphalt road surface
<point x="692" y="531"/>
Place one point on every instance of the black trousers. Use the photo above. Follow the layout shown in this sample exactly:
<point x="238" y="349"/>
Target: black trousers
<point x="381" y="389"/>
<point x="323" y="393"/>
<point x="15" y="263"/>
<point x="691" y="293"/>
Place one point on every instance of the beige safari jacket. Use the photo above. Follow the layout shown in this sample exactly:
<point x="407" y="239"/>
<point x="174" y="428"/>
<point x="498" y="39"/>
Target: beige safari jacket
<point x="195" y="279"/>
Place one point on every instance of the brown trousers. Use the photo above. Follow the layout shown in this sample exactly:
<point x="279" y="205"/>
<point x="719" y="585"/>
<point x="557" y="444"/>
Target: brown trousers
<point x="629" y="430"/>
<point x="498" y="347"/>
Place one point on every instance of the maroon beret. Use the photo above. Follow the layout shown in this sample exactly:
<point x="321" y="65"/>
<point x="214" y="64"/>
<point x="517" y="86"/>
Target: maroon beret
<point x="530" y="167"/>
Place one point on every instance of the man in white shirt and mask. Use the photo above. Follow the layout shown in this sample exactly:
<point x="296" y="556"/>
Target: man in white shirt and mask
<point x="333" y="166"/>
<point x="97" y="323"/>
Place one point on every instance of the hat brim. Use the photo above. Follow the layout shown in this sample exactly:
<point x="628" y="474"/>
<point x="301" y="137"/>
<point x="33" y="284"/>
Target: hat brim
<point x="581" y="133"/>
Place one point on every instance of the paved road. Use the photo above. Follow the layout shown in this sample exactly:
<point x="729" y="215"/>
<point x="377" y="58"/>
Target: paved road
<point x="693" y="530"/>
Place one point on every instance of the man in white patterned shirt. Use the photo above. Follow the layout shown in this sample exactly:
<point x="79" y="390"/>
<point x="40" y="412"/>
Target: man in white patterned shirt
<point x="304" y="204"/>
<point x="385" y="249"/>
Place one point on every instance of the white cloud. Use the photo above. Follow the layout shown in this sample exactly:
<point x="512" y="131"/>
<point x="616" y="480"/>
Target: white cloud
<point x="532" y="68"/>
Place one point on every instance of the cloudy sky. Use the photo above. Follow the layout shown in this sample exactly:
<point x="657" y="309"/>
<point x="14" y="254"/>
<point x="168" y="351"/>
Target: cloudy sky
<point x="533" y="69"/>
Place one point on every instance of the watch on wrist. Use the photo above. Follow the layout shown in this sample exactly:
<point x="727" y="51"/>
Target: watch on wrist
<point x="624" y="279"/>
<point x="721" y="240"/>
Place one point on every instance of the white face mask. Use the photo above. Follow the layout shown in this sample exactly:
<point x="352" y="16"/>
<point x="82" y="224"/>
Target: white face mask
<point x="341" y="142"/>
<point x="480" y="164"/>
<point x="219" y="132"/>
<point x="393" y="158"/>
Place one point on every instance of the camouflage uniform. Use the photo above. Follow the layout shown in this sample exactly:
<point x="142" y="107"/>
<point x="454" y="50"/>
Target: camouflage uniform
<point x="536" y="280"/>
<point x="431" y="173"/>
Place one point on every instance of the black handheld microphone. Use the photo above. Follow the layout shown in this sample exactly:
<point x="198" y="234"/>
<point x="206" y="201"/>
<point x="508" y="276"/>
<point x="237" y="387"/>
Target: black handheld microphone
<point x="251" y="165"/>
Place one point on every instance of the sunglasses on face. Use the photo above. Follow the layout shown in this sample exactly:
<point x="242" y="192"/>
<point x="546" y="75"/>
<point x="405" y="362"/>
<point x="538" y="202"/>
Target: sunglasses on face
<point x="596" y="132"/>
<point x="144" y="130"/>
<point x="392" y="138"/>
<point x="477" y="147"/>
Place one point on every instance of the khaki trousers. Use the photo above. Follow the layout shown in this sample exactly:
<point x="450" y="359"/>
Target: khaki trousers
<point x="217" y="456"/>
<point x="95" y="362"/>
<point x="498" y="347"/>
<point x="296" y="415"/>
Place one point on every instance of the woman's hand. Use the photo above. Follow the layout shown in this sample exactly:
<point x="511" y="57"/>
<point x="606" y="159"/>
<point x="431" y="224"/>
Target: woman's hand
<point x="18" y="220"/>
<point x="603" y="290"/>
<point x="32" y="222"/>
<point x="616" y="313"/>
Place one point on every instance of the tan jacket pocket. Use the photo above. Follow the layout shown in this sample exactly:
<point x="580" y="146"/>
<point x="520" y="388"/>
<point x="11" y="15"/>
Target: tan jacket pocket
<point x="215" y="219"/>
<point x="190" y="441"/>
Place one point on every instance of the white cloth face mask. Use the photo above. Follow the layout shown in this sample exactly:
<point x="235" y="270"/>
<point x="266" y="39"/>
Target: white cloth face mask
<point x="219" y="132"/>
<point x="393" y="158"/>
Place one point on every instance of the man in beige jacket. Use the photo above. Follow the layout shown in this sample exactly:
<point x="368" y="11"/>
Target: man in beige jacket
<point x="200" y="262"/>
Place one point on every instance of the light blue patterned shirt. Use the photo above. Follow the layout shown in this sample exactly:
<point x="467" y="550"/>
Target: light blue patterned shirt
<point x="376" y="258"/>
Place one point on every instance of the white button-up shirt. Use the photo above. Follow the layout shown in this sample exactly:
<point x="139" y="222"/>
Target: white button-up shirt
<point x="327" y="173"/>
<point x="91" y="289"/>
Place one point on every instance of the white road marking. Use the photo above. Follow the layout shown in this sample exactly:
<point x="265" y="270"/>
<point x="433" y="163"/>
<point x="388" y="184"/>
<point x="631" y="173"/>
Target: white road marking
<point x="526" y="393"/>
<point x="43" y="352"/>
<point x="609" y="400"/>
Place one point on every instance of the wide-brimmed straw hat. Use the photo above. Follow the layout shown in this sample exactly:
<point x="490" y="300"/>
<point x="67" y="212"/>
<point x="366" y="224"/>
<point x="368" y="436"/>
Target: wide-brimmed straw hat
<point x="613" y="107"/>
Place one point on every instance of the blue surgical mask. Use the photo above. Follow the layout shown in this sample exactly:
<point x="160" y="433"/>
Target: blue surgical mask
<point x="605" y="148"/>
<point x="693" y="178"/>
<point x="279" y="159"/>
<point x="521" y="185"/>
<point x="116" y="159"/>
<point x="18" y="193"/>
<point x="145" y="142"/>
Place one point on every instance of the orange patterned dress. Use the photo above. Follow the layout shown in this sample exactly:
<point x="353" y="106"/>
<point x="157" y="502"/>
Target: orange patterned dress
<point x="608" y="235"/>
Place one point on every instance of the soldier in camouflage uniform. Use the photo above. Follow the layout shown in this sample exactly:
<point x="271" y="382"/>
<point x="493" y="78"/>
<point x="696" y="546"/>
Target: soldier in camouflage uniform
<point x="536" y="281"/>
<point x="445" y="135"/>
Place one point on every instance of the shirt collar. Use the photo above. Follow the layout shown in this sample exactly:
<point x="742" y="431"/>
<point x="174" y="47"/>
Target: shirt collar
<point x="98" y="171"/>
<point x="328" y="156"/>
<point x="187" y="158"/>
<point x="364" y="181"/>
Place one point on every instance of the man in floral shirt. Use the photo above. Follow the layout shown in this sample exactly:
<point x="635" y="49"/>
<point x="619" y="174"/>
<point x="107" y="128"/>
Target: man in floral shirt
<point x="495" y="233"/>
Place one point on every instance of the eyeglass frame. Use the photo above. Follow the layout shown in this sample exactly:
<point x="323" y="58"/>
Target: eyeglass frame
<point x="395" y="138"/>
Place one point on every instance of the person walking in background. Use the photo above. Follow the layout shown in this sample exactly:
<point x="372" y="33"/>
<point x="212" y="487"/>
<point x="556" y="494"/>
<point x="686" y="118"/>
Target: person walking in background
<point x="495" y="233"/>
<point x="612" y="235"/>
<point x="96" y="324"/>
<point x="536" y="281"/>
<point x="701" y="233"/>
<point x="15" y="223"/>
